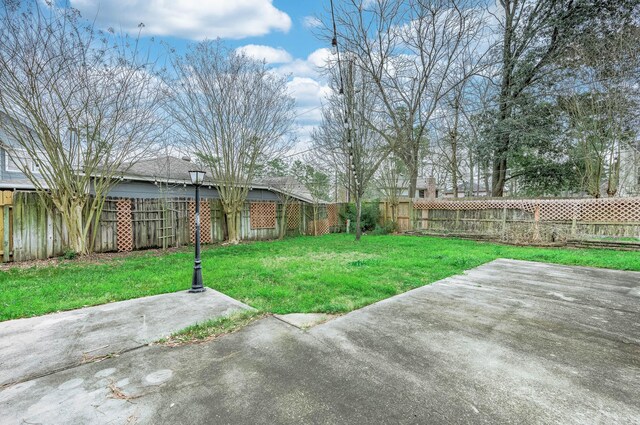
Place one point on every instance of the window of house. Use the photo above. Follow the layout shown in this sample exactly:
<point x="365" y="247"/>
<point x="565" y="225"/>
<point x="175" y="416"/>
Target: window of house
<point x="20" y="158"/>
<point x="10" y="164"/>
<point x="421" y="193"/>
<point x="35" y="168"/>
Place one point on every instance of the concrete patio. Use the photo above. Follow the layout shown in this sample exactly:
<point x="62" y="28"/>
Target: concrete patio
<point x="508" y="342"/>
<point x="38" y="346"/>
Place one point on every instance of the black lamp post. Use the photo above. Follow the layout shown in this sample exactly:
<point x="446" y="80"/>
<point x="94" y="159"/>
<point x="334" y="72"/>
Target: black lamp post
<point x="197" y="178"/>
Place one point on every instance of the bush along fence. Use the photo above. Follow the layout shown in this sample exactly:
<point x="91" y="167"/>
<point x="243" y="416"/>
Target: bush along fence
<point x="29" y="230"/>
<point x="540" y="221"/>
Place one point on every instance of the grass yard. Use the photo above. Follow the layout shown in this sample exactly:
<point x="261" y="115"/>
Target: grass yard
<point x="328" y="274"/>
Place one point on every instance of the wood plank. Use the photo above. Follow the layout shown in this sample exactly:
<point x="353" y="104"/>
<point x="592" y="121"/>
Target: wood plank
<point x="2" y="227"/>
<point x="6" y="234"/>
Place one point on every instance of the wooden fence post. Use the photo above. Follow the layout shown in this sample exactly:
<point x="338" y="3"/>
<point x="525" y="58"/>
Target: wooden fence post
<point x="6" y="199"/>
<point x="504" y="223"/>
<point x="536" y="223"/>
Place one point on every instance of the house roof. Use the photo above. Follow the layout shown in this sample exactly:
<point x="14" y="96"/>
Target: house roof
<point x="162" y="168"/>
<point x="172" y="169"/>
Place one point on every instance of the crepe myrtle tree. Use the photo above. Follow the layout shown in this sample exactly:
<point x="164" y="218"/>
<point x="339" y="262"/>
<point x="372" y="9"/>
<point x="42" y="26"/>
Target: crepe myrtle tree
<point x="235" y="114"/>
<point x="391" y="182"/>
<point x="316" y="181"/>
<point x="79" y="106"/>
<point x="346" y="141"/>
<point x="277" y="174"/>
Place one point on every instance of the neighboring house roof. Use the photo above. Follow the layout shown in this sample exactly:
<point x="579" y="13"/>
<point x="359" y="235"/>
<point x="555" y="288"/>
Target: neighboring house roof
<point x="176" y="170"/>
<point x="289" y="186"/>
<point x="421" y="183"/>
<point x="463" y="188"/>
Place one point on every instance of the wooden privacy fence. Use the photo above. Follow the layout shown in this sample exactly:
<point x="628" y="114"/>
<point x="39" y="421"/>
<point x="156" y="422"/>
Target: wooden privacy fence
<point x="6" y="225"/>
<point x="530" y="220"/>
<point x="29" y="230"/>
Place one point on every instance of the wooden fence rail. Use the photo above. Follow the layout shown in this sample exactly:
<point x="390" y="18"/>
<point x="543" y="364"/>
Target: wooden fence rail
<point x="523" y="220"/>
<point x="29" y="230"/>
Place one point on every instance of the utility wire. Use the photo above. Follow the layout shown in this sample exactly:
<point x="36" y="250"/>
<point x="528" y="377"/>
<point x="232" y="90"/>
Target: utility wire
<point x="334" y="43"/>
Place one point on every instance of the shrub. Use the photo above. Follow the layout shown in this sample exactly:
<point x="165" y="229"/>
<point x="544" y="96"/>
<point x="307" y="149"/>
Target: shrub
<point x="388" y="227"/>
<point x="69" y="254"/>
<point x="369" y="218"/>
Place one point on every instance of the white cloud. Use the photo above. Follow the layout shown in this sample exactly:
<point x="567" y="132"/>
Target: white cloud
<point x="267" y="53"/>
<point x="309" y="88"/>
<point x="191" y="19"/>
<point x="310" y="22"/>
<point x="307" y="91"/>
<point x="309" y="94"/>
<point x="309" y="67"/>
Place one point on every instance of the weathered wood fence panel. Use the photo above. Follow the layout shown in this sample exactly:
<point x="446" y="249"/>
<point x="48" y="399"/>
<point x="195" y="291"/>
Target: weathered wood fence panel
<point x="6" y="225"/>
<point x="35" y="228"/>
<point x="36" y="231"/>
<point x="531" y="220"/>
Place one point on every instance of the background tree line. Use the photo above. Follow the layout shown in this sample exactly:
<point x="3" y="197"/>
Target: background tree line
<point x="525" y="97"/>
<point x="517" y="97"/>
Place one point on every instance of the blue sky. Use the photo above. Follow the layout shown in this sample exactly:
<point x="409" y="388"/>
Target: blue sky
<point x="278" y="31"/>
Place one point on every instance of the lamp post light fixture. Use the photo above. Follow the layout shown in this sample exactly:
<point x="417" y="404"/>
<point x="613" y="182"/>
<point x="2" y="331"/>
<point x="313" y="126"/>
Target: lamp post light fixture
<point x="197" y="178"/>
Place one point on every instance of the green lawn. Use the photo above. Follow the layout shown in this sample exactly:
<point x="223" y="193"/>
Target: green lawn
<point x="328" y="274"/>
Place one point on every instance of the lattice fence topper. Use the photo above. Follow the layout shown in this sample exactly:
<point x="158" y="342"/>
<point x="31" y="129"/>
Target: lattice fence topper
<point x="293" y="216"/>
<point x="263" y="215"/>
<point x="602" y="210"/>
<point x="321" y="227"/>
<point x="332" y="214"/>
<point x="124" y="232"/>
<point x="205" y="221"/>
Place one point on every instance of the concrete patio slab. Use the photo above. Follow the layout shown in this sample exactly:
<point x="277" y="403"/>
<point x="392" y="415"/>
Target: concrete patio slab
<point x="508" y="342"/>
<point x="41" y="345"/>
<point x="305" y="320"/>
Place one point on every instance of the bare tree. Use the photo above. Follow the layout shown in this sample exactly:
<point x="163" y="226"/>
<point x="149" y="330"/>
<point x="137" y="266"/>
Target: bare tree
<point x="390" y="180"/>
<point x="312" y="176"/>
<point x="234" y="114"/>
<point x="408" y="48"/>
<point x="346" y="140"/>
<point x="80" y="105"/>
<point x="286" y="187"/>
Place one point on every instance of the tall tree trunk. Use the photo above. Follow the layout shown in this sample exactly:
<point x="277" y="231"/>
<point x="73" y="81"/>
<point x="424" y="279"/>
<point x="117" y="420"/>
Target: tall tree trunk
<point x="485" y="177"/>
<point x="413" y="180"/>
<point x="315" y="220"/>
<point x="499" y="174"/>
<point x="72" y="213"/>
<point x="498" y="177"/>
<point x="283" y="222"/>
<point x="358" y="216"/>
<point x="454" y="149"/>
<point x="233" y="224"/>
<point x="471" y="177"/>
<point x="614" y="172"/>
<point x="78" y="242"/>
<point x="505" y="101"/>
